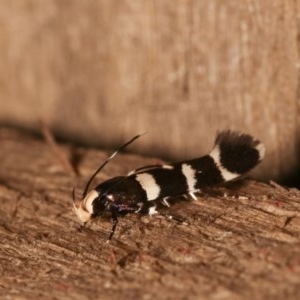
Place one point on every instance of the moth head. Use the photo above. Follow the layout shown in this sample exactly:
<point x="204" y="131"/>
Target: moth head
<point x="85" y="209"/>
<point x="97" y="201"/>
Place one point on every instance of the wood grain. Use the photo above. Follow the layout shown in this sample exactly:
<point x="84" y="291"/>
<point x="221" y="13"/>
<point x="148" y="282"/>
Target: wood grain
<point x="242" y="241"/>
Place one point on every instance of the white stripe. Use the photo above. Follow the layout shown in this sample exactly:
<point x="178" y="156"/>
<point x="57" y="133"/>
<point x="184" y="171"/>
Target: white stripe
<point x="189" y="174"/>
<point x="227" y="175"/>
<point x="261" y="150"/>
<point x="148" y="183"/>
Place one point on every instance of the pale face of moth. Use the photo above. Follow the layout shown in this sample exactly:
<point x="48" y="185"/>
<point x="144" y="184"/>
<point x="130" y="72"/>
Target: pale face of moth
<point x="85" y="209"/>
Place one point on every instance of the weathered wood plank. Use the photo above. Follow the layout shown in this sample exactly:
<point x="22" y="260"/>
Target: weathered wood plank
<point x="242" y="241"/>
<point x="100" y="72"/>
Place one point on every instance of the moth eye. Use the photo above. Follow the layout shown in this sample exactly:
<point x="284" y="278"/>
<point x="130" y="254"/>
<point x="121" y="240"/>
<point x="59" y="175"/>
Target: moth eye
<point x="110" y="197"/>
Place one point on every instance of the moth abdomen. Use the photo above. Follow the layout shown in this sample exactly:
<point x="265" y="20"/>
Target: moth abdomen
<point x="236" y="153"/>
<point x="233" y="155"/>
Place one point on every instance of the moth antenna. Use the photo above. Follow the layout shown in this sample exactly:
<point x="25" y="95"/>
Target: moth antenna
<point x="107" y="161"/>
<point x="74" y="198"/>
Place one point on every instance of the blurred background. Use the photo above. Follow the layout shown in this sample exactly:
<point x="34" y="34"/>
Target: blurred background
<point x="99" y="72"/>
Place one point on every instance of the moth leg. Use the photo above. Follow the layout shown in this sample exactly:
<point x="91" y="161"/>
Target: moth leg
<point x="114" y="226"/>
<point x="193" y="196"/>
<point x="147" y="208"/>
<point x="176" y="218"/>
<point x="152" y="210"/>
<point x="165" y="202"/>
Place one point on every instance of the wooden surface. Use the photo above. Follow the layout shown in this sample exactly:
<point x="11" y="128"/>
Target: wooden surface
<point x="241" y="242"/>
<point x="100" y="72"/>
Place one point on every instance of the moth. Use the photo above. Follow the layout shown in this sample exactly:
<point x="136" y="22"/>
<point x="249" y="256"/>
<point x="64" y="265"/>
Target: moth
<point x="233" y="155"/>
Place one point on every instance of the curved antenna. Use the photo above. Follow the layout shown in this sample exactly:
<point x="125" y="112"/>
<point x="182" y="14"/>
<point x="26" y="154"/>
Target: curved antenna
<point x="74" y="198"/>
<point x="107" y="161"/>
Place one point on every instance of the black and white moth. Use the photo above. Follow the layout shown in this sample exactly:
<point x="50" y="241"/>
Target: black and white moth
<point x="233" y="155"/>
